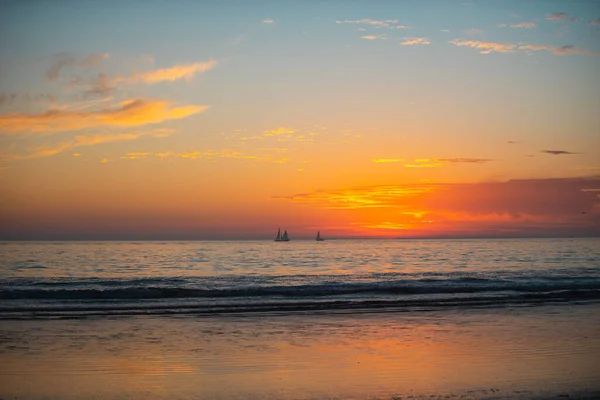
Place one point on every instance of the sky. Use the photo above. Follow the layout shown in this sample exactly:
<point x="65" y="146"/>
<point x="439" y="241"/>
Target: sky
<point x="229" y="119"/>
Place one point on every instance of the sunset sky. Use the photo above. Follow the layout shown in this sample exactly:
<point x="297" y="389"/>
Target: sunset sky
<point x="228" y="119"/>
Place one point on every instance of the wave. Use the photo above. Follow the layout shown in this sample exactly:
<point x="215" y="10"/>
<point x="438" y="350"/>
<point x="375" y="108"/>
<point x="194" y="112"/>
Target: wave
<point x="173" y="288"/>
<point x="278" y="307"/>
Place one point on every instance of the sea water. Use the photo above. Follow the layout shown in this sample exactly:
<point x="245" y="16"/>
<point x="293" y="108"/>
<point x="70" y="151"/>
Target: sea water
<point x="300" y="319"/>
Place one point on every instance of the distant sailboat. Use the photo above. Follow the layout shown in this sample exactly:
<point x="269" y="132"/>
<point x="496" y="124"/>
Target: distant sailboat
<point x="319" y="238"/>
<point x="280" y="237"/>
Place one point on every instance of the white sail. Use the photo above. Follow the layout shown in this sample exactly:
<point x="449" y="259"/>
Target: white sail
<point x="319" y="238"/>
<point x="285" y="236"/>
<point x="278" y="238"/>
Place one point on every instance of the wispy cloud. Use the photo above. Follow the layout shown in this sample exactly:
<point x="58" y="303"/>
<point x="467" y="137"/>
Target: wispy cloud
<point x="423" y="164"/>
<point x="26" y="98"/>
<point x="444" y="162"/>
<point x="81" y="141"/>
<point x="210" y="155"/>
<point x="558" y="152"/>
<point x="516" y="207"/>
<point x="131" y="113"/>
<point x="560" y="16"/>
<point x="524" y="25"/>
<point x="474" y="31"/>
<point x="415" y="41"/>
<point x="465" y="160"/>
<point x="374" y="37"/>
<point x="594" y="22"/>
<point x="63" y="60"/>
<point x="534" y="47"/>
<point x="570" y="49"/>
<point x="282" y="130"/>
<point x="388" y="160"/>
<point x="390" y="23"/>
<point x="361" y="197"/>
<point x="103" y="84"/>
<point x="184" y="71"/>
<point x="268" y="21"/>
<point x="136" y="156"/>
<point x="486" y="47"/>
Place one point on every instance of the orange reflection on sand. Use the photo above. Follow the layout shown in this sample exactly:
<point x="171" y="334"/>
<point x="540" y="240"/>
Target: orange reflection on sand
<point x="285" y="357"/>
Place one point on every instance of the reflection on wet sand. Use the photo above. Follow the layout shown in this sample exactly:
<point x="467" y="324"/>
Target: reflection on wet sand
<point x="529" y="352"/>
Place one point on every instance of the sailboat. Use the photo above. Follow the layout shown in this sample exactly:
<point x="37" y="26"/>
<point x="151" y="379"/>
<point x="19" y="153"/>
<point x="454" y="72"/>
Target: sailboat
<point x="280" y="237"/>
<point x="319" y="238"/>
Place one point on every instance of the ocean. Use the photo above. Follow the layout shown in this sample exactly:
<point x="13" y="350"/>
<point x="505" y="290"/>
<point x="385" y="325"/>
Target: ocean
<point x="255" y="319"/>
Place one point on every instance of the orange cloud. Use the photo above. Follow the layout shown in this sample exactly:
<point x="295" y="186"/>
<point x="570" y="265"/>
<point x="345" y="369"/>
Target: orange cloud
<point x="415" y="41"/>
<point x="177" y="72"/>
<point x="486" y="47"/>
<point x="209" y="155"/>
<point x="84" y="140"/>
<point x="104" y="84"/>
<point x="362" y="197"/>
<point x="464" y="160"/>
<point x="569" y="206"/>
<point x="387" y="160"/>
<point x="374" y="37"/>
<point x="135" y="156"/>
<point x="130" y="113"/>
<point x="280" y="131"/>
<point x="533" y="47"/>
<point x="442" y="162"/>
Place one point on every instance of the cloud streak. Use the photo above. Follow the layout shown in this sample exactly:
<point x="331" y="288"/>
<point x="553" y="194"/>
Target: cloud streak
<point x="209" y="155"/>
<point x="80" y="141"/>
<point x="433" y="162"/>
<point x="524" y="25"/>
<point x="387" y="160"/>
<point x="374" y="37"/>
<point x="558" y="152"/>
<point x="415" y="41"/>
<point x="177" y="72"/>
<point x="63" y="60"/>
<point x="390" y="23"/>
<point x="560" y="16"/>
<point x="513" y="208"/>
<point x="131" y="113"/>
<point x="485" y="47"/>
<point x="489" y="47"/>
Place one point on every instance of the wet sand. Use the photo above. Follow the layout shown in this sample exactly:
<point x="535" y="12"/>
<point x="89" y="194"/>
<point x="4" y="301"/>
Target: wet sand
<point x="523" y="353"/>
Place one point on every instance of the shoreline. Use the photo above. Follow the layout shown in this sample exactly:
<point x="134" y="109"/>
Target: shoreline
<point x="484" y="354"/>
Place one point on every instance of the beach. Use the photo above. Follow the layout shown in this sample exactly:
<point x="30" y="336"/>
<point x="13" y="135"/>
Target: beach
<point x="108" y="346"/>
<point x="530" y="352"/>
